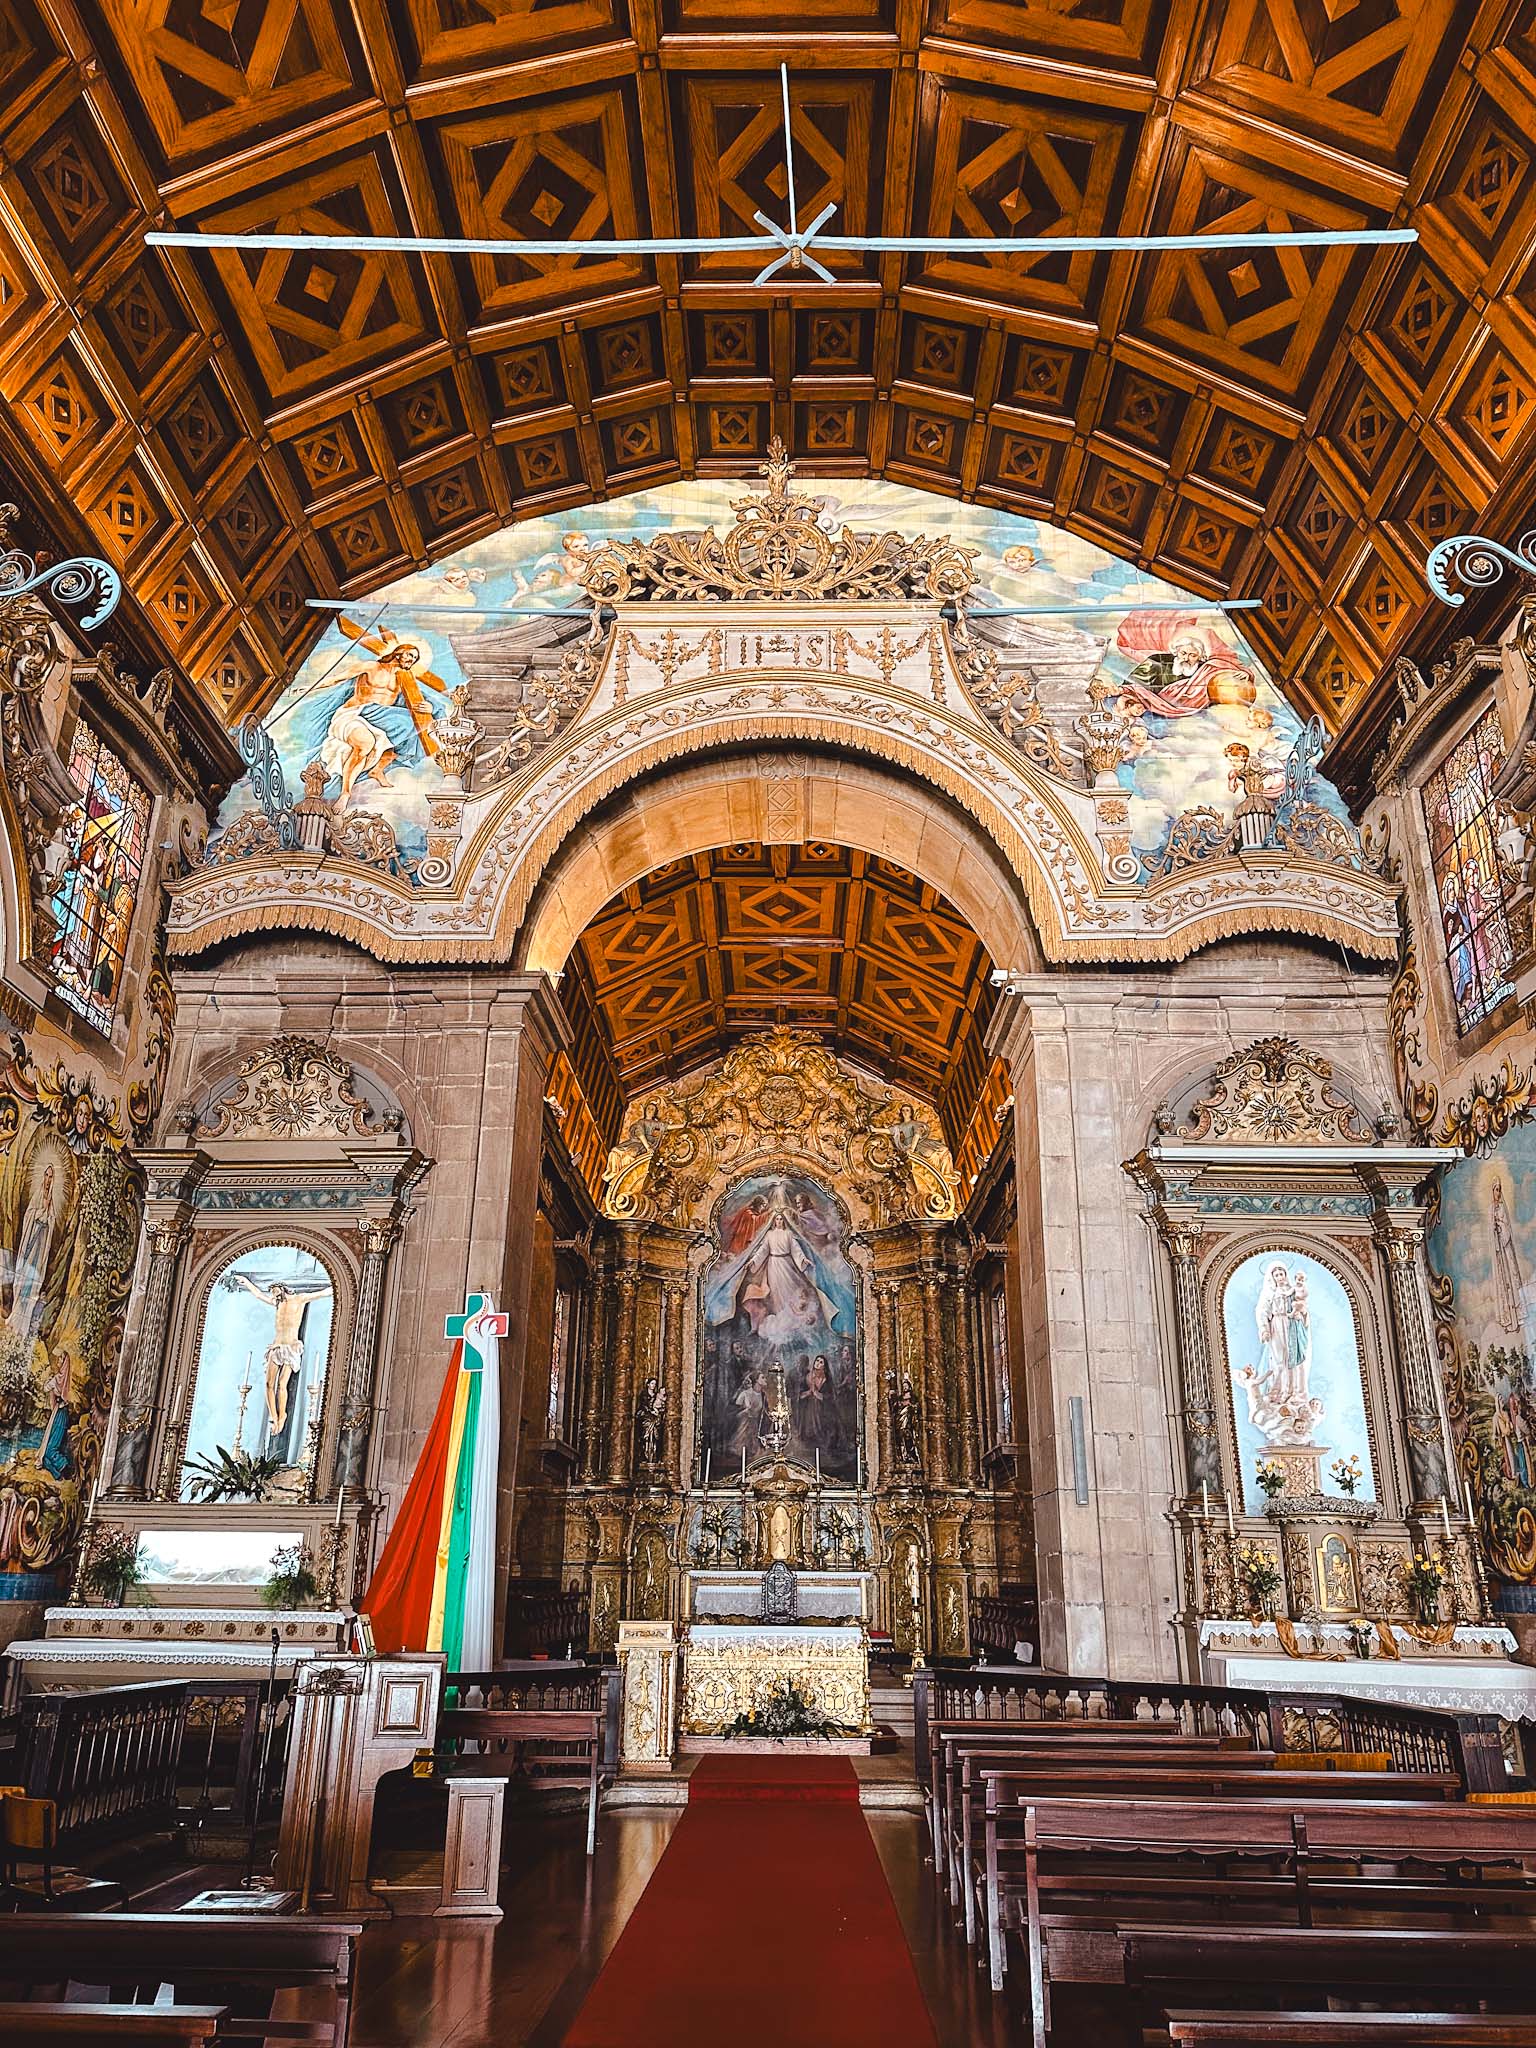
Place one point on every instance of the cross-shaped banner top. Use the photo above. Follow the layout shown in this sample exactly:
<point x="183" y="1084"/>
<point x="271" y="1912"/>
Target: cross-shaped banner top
<point x="480" y="1319"/>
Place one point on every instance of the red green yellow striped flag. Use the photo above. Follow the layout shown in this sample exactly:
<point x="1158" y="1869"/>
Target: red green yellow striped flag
<point x="433" y="1587"/>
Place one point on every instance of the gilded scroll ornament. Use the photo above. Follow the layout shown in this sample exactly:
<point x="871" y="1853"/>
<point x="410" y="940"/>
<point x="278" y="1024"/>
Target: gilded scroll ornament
<point x="292" y="1088"/>
<point x="780" y="1091"/>
<point x="1274" y="1092"/>
<point x="778" y="550"/>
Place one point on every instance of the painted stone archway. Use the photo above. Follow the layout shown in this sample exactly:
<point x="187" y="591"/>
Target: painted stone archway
<point x="431" y="810"/>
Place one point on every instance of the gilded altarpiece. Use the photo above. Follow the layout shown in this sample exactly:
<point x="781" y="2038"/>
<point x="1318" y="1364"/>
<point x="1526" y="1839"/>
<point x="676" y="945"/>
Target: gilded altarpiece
<point x="781" y="1364"/>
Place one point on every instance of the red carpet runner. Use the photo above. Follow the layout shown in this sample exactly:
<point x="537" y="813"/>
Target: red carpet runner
<point x="768" y="1923"/>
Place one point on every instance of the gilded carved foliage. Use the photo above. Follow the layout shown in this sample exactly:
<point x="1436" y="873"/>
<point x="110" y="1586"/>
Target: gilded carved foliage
<point x="292" y="1088"/>
<point x="780" y="1092"/>
<point x="1273" y="1092"/>
<point x="777" y="549"/>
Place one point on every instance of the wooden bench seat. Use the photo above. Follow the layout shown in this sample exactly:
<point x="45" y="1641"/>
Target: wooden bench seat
<point x="242" y="1961"/>
<point x="1351" y="2030"/>
<point x="1302" y="1846"/>
<point x="112" y="2026"/>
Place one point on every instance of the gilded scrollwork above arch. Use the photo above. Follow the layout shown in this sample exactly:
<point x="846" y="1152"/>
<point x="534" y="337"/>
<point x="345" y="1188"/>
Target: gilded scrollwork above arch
<point x="779" y="1093"/>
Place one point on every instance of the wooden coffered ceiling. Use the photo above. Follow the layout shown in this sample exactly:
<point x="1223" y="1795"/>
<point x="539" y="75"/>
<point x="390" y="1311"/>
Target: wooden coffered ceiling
<point x="242" y="431"/>
<point x="817" y="937"/>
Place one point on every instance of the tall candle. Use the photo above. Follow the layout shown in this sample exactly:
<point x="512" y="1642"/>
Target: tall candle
<point x="1227" y="1503"/>
<point x="1445" y="1517"/>
<point x="1466" y="1486"/>
<point x="1205" y="1500"/>
<point x="743" y="1464"/>
<point x="706" y="1470"/>
<point x="818" y="1464"/>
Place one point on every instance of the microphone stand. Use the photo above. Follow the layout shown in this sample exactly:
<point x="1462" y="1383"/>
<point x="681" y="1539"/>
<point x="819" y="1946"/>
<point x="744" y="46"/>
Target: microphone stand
<point x="269" y="1691"/>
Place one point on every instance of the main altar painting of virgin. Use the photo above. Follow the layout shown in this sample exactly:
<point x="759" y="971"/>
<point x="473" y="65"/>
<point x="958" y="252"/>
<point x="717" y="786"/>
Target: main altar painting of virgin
<point x="779" y="1331"/>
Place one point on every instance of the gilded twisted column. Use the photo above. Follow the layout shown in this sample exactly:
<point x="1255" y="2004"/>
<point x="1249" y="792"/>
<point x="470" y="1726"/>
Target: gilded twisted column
<point x="620" y="1415"/>
<point x="969" y="1463"/>
<point x="1401" y="1243"/>
<point x="934" y="1367"/>
<point x="887" y="1374"/>
<point x="362" y="1355"/>
<point x="141" y="1385"/>
<point x="674" y="1294"/>
<point x="594" y="1375"/>
<point x="1202" y="1446"/>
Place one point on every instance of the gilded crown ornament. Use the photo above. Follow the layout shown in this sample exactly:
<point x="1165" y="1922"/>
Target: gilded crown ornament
<point x="776" y="552"/>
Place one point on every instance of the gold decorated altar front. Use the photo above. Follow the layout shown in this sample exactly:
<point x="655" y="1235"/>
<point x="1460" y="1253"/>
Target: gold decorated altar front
<point x="732" y="1668"/>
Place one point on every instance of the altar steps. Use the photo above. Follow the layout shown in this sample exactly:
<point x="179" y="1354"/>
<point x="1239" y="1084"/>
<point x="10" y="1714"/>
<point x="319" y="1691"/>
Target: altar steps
<point x="890" y="1706"/>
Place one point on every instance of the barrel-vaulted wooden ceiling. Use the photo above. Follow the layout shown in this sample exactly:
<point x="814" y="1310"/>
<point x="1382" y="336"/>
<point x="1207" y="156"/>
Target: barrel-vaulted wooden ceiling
<point x="817" y="937"/>
<point x="244" y="431"/>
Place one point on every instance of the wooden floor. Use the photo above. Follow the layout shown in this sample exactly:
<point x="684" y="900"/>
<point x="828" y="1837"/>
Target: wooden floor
<point x="424" y="1984"/>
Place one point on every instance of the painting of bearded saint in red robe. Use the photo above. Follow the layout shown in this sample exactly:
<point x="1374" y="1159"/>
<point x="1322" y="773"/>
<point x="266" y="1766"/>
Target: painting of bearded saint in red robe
<point x="1180" y="665"/>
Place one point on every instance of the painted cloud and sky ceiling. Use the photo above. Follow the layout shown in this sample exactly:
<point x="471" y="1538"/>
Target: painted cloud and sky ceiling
<point x="1197" y="685"/>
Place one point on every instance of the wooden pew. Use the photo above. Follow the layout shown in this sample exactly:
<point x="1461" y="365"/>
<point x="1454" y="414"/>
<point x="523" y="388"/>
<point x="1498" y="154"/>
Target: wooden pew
<point x="1292" y="1837"/>
<point x="216" y="1954"/>
<point x="113" y="2026"/>
<point x="1066" y="1771"/>
<point x="998" y="1792"/>
<point x="1351" y="2030"/>
<point x="1067" y="1742"/>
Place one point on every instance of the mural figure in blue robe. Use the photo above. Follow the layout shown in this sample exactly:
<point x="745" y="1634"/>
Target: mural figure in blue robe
<point x="373" y="719"/>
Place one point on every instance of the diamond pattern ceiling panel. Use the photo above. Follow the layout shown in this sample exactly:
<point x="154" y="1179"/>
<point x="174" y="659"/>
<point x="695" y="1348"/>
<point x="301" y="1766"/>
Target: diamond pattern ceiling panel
<point x="816" y="936"/>
<point x="1297" y="426"/>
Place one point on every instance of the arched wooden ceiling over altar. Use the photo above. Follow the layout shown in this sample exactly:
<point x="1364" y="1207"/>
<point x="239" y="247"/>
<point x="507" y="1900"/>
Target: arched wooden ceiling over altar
<point x="816" y="937"/>
<point x="242" y="432"/>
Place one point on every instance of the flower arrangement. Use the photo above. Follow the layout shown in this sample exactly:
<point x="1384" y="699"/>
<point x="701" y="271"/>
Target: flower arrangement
<point x="786" y="1711"/>
<point x="1425" y="1578"/>
<point x="113" y="1568"/>
<point x="292" y="1580"/>
<point x="1346" y="1474"/>
<point x="1271" y="1477"/>
<point x="1258" y="1574"/>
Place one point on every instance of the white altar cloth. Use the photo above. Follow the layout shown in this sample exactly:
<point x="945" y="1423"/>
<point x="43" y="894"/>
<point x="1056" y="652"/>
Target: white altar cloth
<point x="1447" y="1685"/>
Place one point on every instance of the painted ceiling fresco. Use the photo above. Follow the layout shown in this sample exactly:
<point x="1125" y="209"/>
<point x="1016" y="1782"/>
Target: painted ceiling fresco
<point x="363" y="700"/>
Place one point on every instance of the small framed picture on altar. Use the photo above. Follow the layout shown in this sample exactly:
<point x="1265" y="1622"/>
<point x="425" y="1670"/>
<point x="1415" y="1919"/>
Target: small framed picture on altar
<point x="362" y="1636"/>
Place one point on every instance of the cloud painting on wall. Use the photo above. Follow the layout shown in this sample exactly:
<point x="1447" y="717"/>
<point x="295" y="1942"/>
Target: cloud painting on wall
<point x="1484" y="1243"/>
<point x="363" y="701"/>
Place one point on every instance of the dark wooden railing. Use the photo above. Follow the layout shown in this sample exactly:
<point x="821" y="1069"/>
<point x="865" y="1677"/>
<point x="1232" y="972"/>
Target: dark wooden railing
<point x="537" y="1687"/>
<point x="1415" y="1738"/>
<point x="226" y="1731"/>
<point x="542" y="1617"/>
<point x="141" y="1755"/>
<point x="107" y="1760"/>
<point x="1001" y="1619"/>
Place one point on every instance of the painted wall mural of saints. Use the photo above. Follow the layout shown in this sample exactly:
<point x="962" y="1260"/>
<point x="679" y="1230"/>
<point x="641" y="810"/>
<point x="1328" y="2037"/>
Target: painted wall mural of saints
<point x="262" y="1361"/>
<point x="779" y="1331"/>
<point x="1294" y="1359"/>
<point x="1484" y="1244"/>
<point x="68" y="1224"/>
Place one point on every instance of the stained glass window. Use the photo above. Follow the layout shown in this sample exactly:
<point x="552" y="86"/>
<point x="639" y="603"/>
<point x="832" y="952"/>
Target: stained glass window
<point x="1463" y="828"/>
<point x="107" y="831"/>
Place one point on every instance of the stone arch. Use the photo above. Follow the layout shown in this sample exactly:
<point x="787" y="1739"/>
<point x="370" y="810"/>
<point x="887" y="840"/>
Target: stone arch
<point x="702" y="803"/>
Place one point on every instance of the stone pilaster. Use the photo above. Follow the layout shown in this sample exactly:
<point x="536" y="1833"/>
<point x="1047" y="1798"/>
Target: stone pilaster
<point x="1184" y="1240"/>
<point x="173" y="1178"/>
<point x="1401" y="1243"/>
<point x="357" y="1393"/>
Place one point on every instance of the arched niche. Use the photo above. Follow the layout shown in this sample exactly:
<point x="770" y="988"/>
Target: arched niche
<point x="1300" y="1339"/>
<point x="261" y="1375"/>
